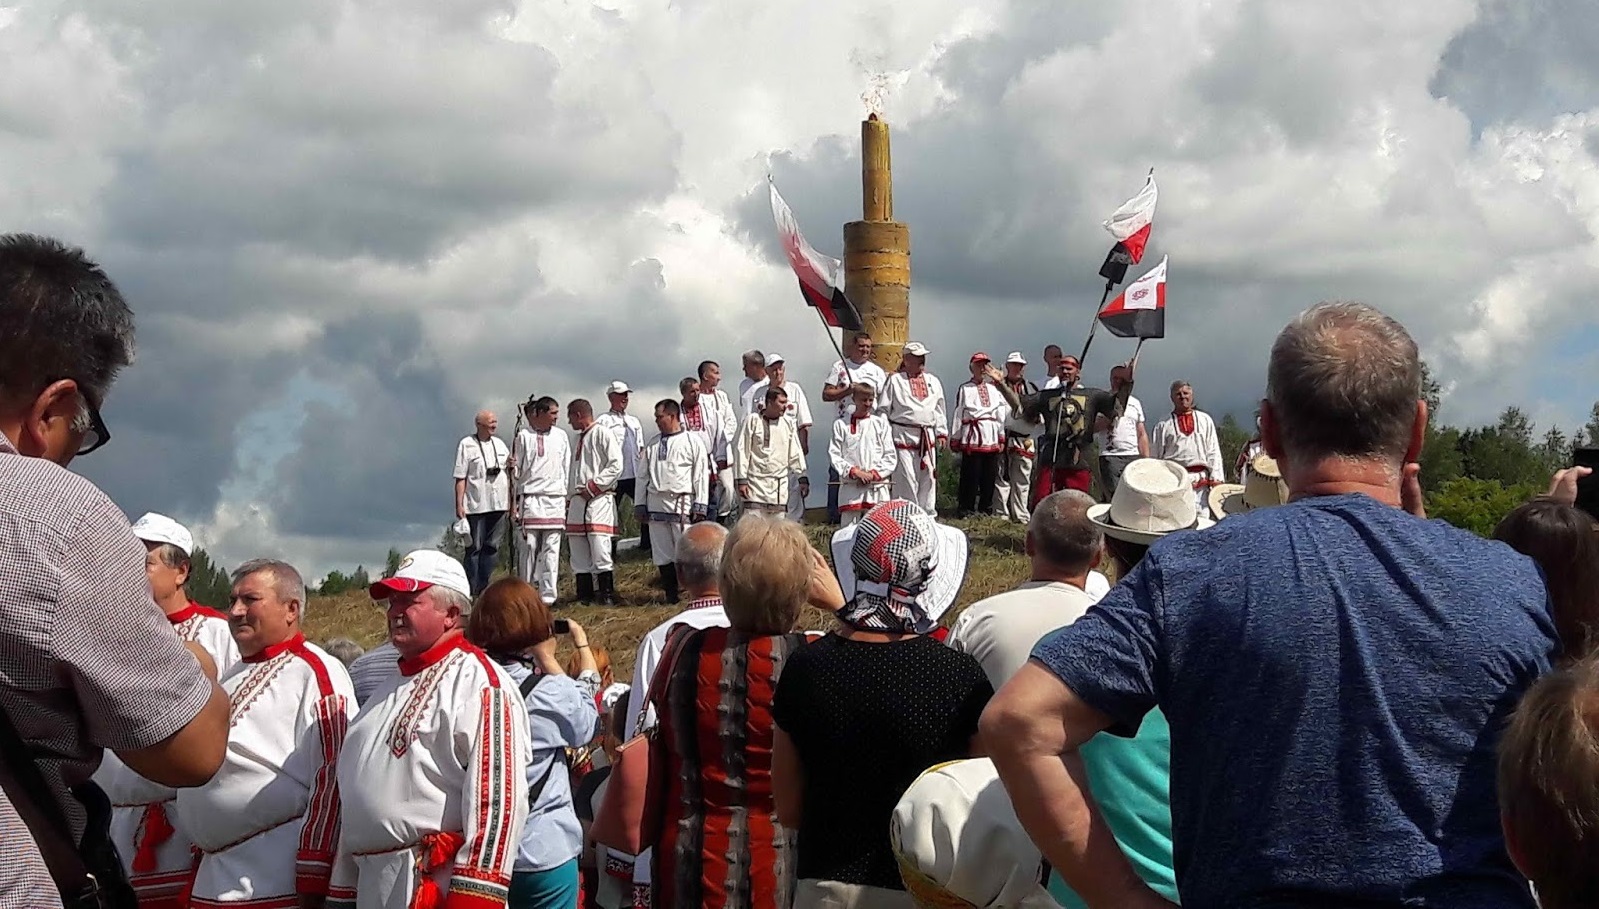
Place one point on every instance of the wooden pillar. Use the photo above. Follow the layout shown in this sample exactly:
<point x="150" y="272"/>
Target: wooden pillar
<point x="877" y="252"/>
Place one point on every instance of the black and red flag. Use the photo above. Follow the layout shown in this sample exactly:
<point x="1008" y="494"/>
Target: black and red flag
<point x="1140" y="310"/>
<point x="1130" y="225"/>
<point x="821" y="278"/>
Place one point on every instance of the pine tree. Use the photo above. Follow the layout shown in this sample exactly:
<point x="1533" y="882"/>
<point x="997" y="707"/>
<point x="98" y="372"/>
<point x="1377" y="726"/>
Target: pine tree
<point x="208" y="582"/>
<point x="391" y="565"/>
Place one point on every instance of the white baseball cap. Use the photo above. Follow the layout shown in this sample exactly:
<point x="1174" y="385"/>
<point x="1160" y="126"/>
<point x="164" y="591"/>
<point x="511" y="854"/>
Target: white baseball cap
<point x="772" y="359"/>
<point x="917" y="349"/>
<point x="1015" y="356"/>
<point x="618" y="388"/>
<point x="420" y="570"/>
<point x="158" y="528"/>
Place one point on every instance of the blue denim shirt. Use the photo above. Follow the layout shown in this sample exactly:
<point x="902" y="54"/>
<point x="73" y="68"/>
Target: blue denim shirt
<point x="561" y="714"/>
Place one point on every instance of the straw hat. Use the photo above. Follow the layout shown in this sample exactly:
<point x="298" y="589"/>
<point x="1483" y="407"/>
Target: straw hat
<point x="1154" y="498"/>
<point x="959" y="844"/>
<point x="1263" y="487"/>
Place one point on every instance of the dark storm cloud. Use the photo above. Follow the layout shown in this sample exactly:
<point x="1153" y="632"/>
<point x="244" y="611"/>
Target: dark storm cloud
<point x="1522" y="60"/>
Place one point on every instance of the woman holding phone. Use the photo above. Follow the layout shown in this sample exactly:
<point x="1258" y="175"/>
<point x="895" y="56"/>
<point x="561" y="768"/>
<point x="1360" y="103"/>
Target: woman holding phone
<point x="512" y="624"/>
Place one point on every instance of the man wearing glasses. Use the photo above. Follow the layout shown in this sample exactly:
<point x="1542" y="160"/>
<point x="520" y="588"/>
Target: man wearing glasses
<point x="482" y="496"/>
<point x="88" y="659"/>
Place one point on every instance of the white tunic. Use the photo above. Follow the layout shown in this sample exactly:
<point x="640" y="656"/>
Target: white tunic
<point x="543" y="461"/>
<point x="473" y="460"/>
<point x="675" y="476"/>
<point x="1197" y="449"/>
<point x="916" y="412"/>
<point x="156" y="857"/>
<point x="799" y="409"/>
<point x="868" y="372"/>
<point x="865" y="443"/>
<point x="435" y="768"/>
<point x="726" y="416"/>
<point x="268" y="823"/>
<point x="629" y="434"/>
<point x="980" y="415"/>
<point x="596" y="467"/>
<point x="705" y="421"/>
<point x="768" y="455"/>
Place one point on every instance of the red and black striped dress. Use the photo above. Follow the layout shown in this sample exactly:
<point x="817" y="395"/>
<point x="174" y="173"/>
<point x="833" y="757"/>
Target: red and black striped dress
<point x="720" y="843"/>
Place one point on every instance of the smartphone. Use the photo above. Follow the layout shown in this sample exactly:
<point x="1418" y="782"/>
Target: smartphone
<point x="562" y="626"/>
<point x="1588" y="486"/>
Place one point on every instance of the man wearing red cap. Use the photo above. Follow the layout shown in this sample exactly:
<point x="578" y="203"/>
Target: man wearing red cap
<point x="434" y="771"/>
<point x="982" y="405"/>
<point x="266" y="827"/>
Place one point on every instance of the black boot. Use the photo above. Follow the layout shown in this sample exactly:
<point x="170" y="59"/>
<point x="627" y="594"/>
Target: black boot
<point x="669" y="582"/>
<point x="585" y="588"/>
<point x="607" y="592"/>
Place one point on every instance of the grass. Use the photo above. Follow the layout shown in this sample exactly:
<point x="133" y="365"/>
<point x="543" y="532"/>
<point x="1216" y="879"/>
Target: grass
<point x="997" y="564"/>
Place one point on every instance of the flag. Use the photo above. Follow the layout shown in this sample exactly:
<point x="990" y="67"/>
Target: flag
<point x="1130" y="225"/>
<point x="821" y="278"/>
<point x="1140" y="310"/>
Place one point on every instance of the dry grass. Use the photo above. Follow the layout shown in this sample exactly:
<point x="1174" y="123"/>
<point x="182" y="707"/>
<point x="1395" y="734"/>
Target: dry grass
<point x="997" y="564"/>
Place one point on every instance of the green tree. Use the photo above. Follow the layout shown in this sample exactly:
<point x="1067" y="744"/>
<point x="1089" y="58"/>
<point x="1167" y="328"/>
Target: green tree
<point x="1233" y="438"/>
<point x="1504" y="452"/>
<point x="360" y="580"/>
<point x="454" y="544"/>
<point x="1554" y="451"/>
<point x="1588" y="436"/>
<point x="391" y="565"/>
<point x="1440" y="447"/>
<point x="208" y="582"/>
<point x="334" y="584"/>
<point x="1476" y="505"/>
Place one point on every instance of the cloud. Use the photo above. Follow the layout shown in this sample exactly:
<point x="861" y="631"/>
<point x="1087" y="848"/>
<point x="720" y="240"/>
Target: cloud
<point x="345" y="226"/>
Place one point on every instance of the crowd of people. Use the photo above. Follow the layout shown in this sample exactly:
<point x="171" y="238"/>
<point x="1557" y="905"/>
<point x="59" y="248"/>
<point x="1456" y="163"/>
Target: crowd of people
<point x="1299" y="692"/>
<point x="711" y="458"/>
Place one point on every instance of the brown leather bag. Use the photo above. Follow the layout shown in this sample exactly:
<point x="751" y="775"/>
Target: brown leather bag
<point x="629" y="816"/>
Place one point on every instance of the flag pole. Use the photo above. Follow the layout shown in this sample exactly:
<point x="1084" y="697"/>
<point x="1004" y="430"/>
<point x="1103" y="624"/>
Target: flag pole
<point x="1081" y="358"/>
<point x="848" y="376"/>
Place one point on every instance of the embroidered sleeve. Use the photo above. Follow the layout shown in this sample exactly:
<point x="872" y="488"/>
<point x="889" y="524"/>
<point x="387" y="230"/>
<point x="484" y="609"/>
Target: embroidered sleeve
<point x="320" y="837"/>
<point x="494" y="804"/>
<point x="702" y="477"/>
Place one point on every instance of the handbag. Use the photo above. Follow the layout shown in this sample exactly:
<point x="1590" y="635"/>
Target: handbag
<point x="629" y="816"/>
<point x="89" y="875"/>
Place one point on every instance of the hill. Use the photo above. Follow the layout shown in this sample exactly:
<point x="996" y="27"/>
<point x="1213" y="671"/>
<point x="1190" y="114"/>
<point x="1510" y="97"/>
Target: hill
<point x="998" y="563"/>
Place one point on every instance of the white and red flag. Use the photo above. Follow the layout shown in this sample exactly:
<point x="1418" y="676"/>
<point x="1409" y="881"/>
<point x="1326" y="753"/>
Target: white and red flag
<point x="1130" y="225"/>
<point x="1140" y="310"/>
<point x="821" y="278"/>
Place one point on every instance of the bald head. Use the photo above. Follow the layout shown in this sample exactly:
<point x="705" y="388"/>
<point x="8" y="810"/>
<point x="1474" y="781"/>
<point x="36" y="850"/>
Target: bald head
<point x="699" y="558"/>
<point x="486" y="424"/>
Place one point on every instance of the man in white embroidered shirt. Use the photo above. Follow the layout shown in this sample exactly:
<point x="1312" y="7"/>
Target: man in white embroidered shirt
<point x="434" y="773"/>
<point x="266" y="827"/>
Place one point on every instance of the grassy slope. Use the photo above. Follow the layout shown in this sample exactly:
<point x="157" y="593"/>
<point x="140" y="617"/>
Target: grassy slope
<point x="997" y="564"/>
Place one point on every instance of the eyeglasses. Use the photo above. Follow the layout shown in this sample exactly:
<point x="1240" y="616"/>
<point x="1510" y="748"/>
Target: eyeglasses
<point x="97" y="434"/>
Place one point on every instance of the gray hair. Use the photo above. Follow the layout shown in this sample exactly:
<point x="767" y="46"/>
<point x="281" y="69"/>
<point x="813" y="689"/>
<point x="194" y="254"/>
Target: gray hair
<point x="60" y="318"/>
<point x="753" y="357"/>
<point x="1061" y="532"/>
<point x="344" y="650"/>
<point x="1180" y="383"/>
<point x="1343" y="381"/>
<point x="286" y="580"/>
<point x="699" y="554"/>
<point x="443" y="598"/>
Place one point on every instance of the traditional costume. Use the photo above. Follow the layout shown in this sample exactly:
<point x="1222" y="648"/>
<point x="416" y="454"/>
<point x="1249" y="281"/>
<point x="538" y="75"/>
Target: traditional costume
<point x="861" y="441"/>
<point x="1190" y="440"/>
<point x="591" y="512"/>
<point x="543" y="462"/>
<point x="158" y="859"/>
<point x="727" y="417"/>
<point x="676" y="473"/>
<point x="978" y="433"/>
<point x="768" y="457"/>
<point x="705" y="421"/>
<point x="434" y="780"/>
<point x="918" y="418"/>
<point x="266" y="827"/>
<point x="798" y="410"/>
<point x="1015" y="475"/>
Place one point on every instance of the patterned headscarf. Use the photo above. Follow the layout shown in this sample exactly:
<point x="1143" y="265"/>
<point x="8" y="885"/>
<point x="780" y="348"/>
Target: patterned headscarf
<point x="897" y="553"/>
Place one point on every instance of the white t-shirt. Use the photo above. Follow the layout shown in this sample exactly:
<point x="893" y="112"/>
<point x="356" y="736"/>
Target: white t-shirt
<point x="1001" y="631"/>
<point x="1122" y="439"/>
<point x="473" y="461"/>
<point x="868" y="372"/>
<point x="798" y="408"/>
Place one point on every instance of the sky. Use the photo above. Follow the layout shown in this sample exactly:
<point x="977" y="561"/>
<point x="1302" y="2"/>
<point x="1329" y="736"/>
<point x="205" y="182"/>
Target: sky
<point x="344" y="226"/>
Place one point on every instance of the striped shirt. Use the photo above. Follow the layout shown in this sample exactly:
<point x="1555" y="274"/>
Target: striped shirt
<point x="374" y="669"/>
<point x="87" y="659"/>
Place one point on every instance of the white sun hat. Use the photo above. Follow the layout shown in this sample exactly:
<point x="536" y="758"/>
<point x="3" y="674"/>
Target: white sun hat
<point x="158" y="528"/>
<point x="1154" y="498"/>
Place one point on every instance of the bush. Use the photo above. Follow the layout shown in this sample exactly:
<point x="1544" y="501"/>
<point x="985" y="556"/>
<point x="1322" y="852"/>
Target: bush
<point x="1476" y="505"/>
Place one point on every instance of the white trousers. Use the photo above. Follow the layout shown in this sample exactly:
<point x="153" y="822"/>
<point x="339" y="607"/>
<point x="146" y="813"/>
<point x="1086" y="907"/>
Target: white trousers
<point x="1011" y="487"/>
<point x="729" y="494"/>
<point x="796" y="502"/>
<point x="663" y="541"/>
<point x="914" y="482"/>
<point x="591" y="552"/>
<point x="540" y="562"/>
